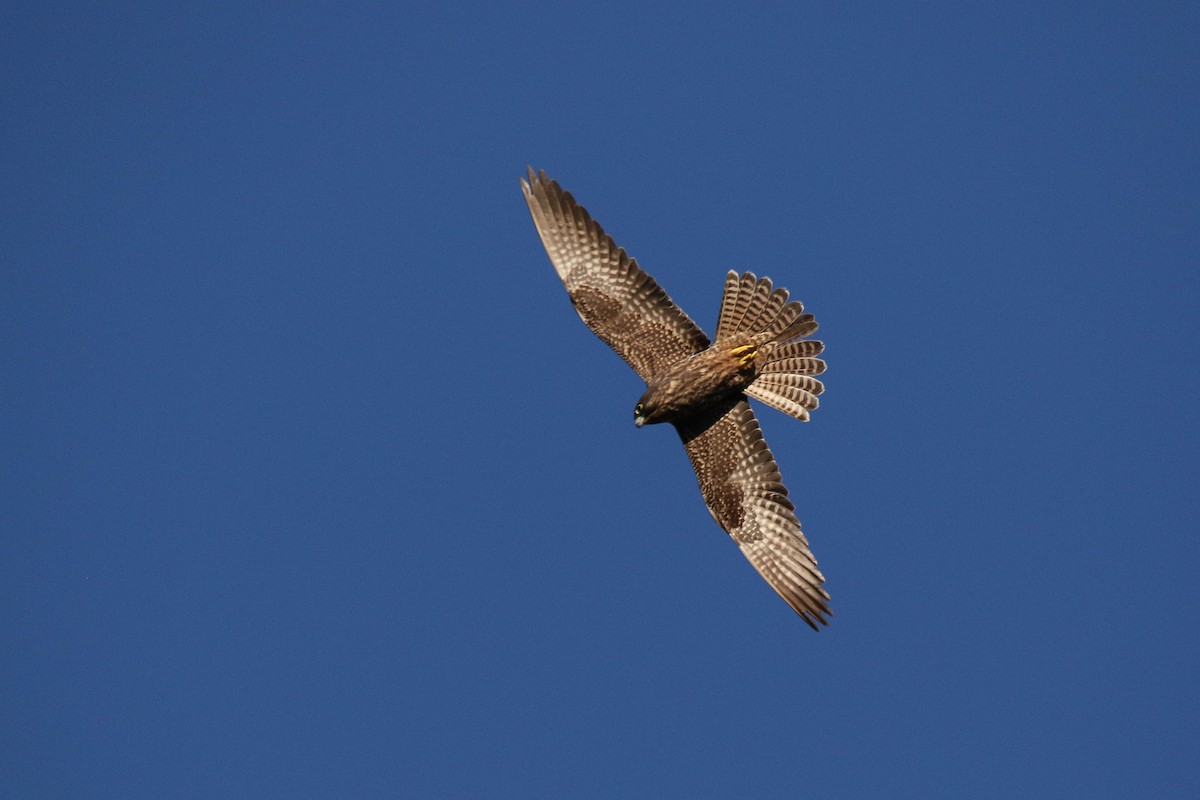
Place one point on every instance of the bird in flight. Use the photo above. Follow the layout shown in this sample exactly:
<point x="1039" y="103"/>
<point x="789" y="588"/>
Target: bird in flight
<point x="701" y="388"/>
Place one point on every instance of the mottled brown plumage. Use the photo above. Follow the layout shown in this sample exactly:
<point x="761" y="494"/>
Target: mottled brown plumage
<point x="702" y="389"/>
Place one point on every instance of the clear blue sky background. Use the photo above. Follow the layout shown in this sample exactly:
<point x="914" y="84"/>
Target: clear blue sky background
<point x="313" y="484"/>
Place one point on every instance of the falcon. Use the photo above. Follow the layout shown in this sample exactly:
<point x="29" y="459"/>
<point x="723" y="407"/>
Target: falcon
<point x="701" y="387"/>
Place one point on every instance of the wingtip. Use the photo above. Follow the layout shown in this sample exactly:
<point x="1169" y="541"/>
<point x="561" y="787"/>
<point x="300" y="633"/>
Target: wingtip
<point x="816" y="618"/>
<point x="536" y="175"/>
<point x="537" y="181"/>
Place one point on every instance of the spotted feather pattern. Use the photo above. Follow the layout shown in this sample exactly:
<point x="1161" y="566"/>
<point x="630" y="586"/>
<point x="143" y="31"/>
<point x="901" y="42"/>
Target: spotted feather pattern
<point x="746" y="496"/>
<point x="614" y="297"/>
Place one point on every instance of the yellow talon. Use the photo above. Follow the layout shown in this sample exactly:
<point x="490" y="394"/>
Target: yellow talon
<point x="746" y="351"/>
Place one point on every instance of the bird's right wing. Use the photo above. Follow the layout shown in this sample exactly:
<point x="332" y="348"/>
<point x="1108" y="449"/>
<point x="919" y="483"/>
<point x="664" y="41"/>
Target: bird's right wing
<point x="746" y="496"/>
<point x="614" y="297"/>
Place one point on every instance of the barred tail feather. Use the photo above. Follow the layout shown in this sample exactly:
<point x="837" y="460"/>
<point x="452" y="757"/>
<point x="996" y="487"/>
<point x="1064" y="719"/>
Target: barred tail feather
<point x="805" y="349"/>
<point x="752" y="305"/>
<point x="735" y="302"/>
<point x="791" y="393"/>
<point x="800" y="366"/>
<point x="798" y="325"/>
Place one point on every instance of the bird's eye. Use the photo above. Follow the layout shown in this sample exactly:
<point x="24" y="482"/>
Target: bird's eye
<point x="638" y="410"/>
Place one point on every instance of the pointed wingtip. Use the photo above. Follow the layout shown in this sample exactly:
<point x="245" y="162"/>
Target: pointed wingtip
<point x="529" y="180"/>
<point x="539" y="181"/>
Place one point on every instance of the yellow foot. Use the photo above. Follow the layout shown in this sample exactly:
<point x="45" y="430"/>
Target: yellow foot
<point x="747" y="353"/>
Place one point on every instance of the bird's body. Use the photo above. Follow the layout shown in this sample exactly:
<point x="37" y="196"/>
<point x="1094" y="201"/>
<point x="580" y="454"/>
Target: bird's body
<point x="759" y="351"/>
<point x="710" y="376"/>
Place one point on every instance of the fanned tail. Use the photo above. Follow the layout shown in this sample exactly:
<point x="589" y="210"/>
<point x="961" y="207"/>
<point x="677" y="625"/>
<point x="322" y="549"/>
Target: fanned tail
<point x="785" y="381"/>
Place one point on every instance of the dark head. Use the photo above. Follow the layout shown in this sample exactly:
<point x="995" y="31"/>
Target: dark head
<point x="646" y="411"/>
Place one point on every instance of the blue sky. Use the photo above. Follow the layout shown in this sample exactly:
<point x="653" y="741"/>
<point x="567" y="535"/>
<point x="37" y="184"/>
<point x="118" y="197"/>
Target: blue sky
<point x="315" y="486"/>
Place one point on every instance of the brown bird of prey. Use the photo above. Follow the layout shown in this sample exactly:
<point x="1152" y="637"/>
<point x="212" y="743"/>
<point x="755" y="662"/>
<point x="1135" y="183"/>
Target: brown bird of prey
<point x="700" y="388"/>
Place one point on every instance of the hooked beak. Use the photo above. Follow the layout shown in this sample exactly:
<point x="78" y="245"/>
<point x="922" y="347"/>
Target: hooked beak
<point x="639" y="420"/>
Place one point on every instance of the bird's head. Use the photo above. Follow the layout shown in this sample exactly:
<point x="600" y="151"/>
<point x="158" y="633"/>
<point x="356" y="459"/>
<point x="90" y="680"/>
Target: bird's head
<point x="646" y="411"/>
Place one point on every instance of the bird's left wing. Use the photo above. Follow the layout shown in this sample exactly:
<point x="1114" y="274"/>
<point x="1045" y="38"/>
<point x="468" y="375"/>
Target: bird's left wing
<point x="746" y="496"/>
<point x="614" y="297"/>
